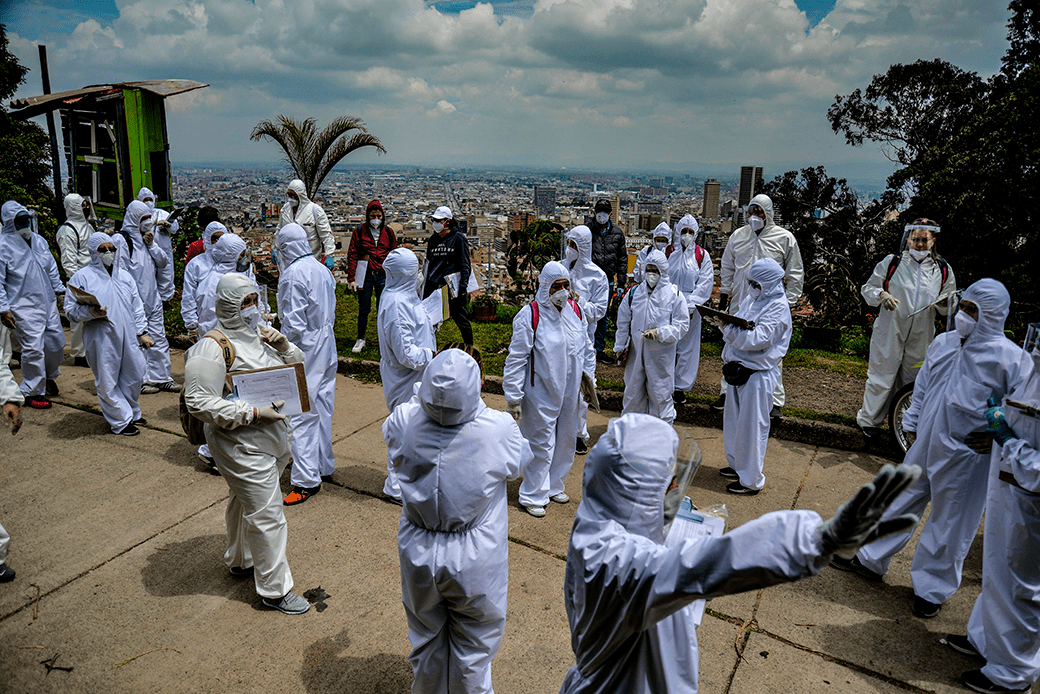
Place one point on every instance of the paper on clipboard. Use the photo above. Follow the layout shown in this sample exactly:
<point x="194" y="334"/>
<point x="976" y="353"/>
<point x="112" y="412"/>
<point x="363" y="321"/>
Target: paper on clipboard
<point x="434" y="305"/>
<point x="690" y="524"/>
<point x="360" y="272"/>
<point x="260" y="387"/>
<point x="83" y="297"/>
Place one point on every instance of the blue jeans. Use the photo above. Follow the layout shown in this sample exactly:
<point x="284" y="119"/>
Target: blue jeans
<point x="374" y="280"/>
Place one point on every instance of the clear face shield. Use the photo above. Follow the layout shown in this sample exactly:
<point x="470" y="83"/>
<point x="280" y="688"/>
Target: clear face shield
<point x="933" y="229"/>
<point x="1031" y="345"/>
<point x="25" y="223"/>
<point x="688" y="458"/>
<point x="953" y="306"/>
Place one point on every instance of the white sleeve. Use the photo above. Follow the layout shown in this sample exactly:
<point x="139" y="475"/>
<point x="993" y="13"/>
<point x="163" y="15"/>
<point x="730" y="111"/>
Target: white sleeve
<point x="514" y="373"/>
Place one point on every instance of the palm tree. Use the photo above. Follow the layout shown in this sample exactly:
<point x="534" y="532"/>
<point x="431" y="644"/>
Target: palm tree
<point x="310" y="153"/>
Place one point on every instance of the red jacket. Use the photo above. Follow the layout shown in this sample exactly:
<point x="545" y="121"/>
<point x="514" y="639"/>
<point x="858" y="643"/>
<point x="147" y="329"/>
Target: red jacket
<point x="362" y="247"/>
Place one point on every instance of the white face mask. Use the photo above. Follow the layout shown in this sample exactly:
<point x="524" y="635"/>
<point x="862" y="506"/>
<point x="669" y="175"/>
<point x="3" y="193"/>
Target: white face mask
<point x="652" y="278"/>
<point x="687" y="240"/>
<point x="756" y="223"/>
<point x="602" y="218"/>
<point x="559" y="298"/>
<point x="919" y="255"/>
<point x="150" y="203"/>
<point x="438" y="227"/>
<point x="26" y="233"/>
<point x="660" y="245"/>
<point x="375" y="223"/>
<point x="251" y="315"/>
<point x="145" y="225"/>
<point x="571" y="254"/>
<point x="107" y="257"/>
<point x="964" y="323"/>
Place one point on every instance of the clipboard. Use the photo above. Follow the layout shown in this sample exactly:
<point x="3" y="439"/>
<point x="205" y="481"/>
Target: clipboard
<point x="726" y="317"/>
<point x="83" y="297"/>
<point x="260" y="387"/>
<point x="690" y="524"/>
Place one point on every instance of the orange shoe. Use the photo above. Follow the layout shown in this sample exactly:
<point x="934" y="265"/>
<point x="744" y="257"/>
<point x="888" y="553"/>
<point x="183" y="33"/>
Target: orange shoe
<point x="300" y="494"/>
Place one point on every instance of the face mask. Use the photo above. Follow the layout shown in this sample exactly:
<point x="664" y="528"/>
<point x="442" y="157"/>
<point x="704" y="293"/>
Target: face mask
<point x="107" y="257"/>
<point x="292" y="201"/>
<point x="26" y="233"/>
<point x="652" y="278"/>
<point x="756" y="223"/>
<point x="560" y="298"/>
<point x="964" y="323"/>
<point x="660" y="245"/>
<point x="602" y="218"/>
<point x="571" y="254"/>
<point x="251" y="316"/>
<point x="150" y="203"/>
<point x="375" y="223"/>
<point x="438" y="227"/>
<point x="146" y="225"/>
<point x="919" y="255"/>
<point x="754" y="292"/>
<point x="687" y="240"/>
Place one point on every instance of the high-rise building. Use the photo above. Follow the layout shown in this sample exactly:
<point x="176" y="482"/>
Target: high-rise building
<point x="545" y="201"/>
<point x="710" y="209"/>
<point x="750" y="183"/>
<point x="615" y="211"/>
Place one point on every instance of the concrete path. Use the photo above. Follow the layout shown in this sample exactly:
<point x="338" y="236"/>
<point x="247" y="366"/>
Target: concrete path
<point x="117" y="543"/>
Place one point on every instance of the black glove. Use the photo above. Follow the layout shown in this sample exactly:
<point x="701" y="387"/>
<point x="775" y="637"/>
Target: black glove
<point x="723" y="302"/>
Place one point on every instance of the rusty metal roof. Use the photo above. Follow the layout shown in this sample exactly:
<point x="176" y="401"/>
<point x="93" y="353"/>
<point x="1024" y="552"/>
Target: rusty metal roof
<point x="35" y="105"/>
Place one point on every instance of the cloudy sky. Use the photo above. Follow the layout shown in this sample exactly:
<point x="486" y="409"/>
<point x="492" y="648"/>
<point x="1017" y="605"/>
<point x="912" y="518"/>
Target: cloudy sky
<point x="575" y="83"/>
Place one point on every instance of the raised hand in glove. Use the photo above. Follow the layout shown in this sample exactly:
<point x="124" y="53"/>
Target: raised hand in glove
<point x="574" y="296"/>
<point x="99" y="311"/>
<point x="275" y="339"/>
<point x="148" y="237"/>
<point x="513" y="410"/>
<point x="888" y="301"/>
<point x="145" y="340"/>
<point x="858" y="522"/>
<point x="650" y="334"/>
<point x="330" y="262"/>
<point x="998" y="426"/>
<point x="269" y="414"/>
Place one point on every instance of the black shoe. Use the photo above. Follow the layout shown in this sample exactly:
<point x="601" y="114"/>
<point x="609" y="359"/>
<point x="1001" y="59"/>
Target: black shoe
<point x="581" y="448"/>
<point x="129" y="430"/>
<point x="729" y="473"/>
<point x="602" y="358"/>
<point x="924" y="609"/>
<point x="961" y="644"/>
<point x="738" y="488"/>
<point x="776" y="413"/>
<point x="6" y="573"/>
<point x="211" y="464"/>
<point x="679" y="397"/>
<point x="871" y="432"/>
<point x="140" y="422"/>
<point x="80" y="361"/>
<point x="52" y="388"/>
<point x="977" y="682"/>
<point x="854" y="566"/>
<point x="241" y="571"/>
<point x="719" y="404"/>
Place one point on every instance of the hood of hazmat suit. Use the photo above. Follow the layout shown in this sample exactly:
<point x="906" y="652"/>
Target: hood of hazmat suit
<point x="587" y="279"/>
<point x="745" y="247"/>
<point x="164" y="277"/>
<point x="694" y="279"/>
<point x="763" y="347"/>
<point x="146" y="193"/>
<point x="195" y="272"/>
<point x="625" y="590"/>
<point x="312" y="218"/>
<point x="224" y="254"/>
<point x="73" y="235"/>
<point x="145" y="261"/>
<point x="406" y="338"/>
<point x="291" y="241"/>
<point x="661" y="231"/>
<point x="30" y="276"/>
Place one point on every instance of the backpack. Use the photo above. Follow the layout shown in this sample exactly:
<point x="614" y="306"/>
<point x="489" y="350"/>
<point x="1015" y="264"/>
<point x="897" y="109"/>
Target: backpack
<point x="944" y="270"/>
<point x="192" y="425"/>
<point x="534" y="327"/>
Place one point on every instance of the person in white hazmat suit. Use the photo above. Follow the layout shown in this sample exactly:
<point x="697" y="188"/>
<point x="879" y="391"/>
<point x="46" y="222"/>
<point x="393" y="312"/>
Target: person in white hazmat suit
<point x="307" y="306"/>
<point x="225" y="255"/>
<point x="902" y="329"/>
<point x="692" y="272"/>
<point x="299" y="209"/>
<point x="453" y="456"/>
<point x="625" y="591"/>
<point x="962" y="370"/>
<point x="542" y="383"/>
<point x="1004" y="627"/>
<point x="590" y="288"/>
<point x="146" y="259"/>
<point x="251" y="445"/>
<point x="11" y="400"/>
<point x="652" y="318"/>
<point x="745" y="421"/>
<point x="115" y="334"/>
<point x="195" y="271"/>
<point x="163" y="229"/>
<point x="759" y="238"/>
<point x="72" y="237"/>
<point x="29" y="283"/>
<point x="407" y="341"/>
<point x="660" y="241"/>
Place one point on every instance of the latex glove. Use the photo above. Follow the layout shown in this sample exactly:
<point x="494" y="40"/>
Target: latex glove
<point x="269" y="414"/>
<point x="723" y="302"/>
<point x="7" y="319"/>
<point x="148" y="237"/>
<point x="193" y="334"/>
<point x="330" y="262"/>
<point x="352" y="286"/>
<point x="858" y="522"/>
<point x="163" y="226"/>
<point x="588" y="390"/>
<point x="888" y="301"/>
<point x="275" y="339"/>
<point x="574" y="296"/>
<point x="998" y="426"/>
<point x="145" y="340"/>
<point x="99" y="311"/>
<point x="12" y="417"/>
<point x="513" y="409"/>
<point x="651" y="334"/>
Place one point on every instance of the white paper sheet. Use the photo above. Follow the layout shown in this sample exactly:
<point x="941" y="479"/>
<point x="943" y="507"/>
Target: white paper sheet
<point x="267" y="386"/>
<point x="434" y="305"/>
<point x="360" y="272"/>
<point x="690" y="525"/>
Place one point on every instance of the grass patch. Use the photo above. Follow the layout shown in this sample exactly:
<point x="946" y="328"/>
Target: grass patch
<point x="844" y="364"/>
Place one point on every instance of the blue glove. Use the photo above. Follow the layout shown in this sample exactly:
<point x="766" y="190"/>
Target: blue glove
<point x="998" y="426"/>
<point x="330" y="262"/>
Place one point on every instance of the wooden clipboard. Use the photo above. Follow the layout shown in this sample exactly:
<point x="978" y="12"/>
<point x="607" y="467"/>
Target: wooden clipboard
<point x="726" y="317"/>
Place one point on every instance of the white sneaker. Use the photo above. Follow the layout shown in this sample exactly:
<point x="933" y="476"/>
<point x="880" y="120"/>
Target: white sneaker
<point x="358" y="346"/>
<point x="560" y="498"/>
<point x="536" y="511"/>
<point x="149" y="389"/>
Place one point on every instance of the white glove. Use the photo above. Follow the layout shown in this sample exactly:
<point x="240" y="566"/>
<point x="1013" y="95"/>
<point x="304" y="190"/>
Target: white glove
<point x="99" y="311"/>
<point x="352" y="286"/>
<point x="145" y="341"/>
<point x="513" y="409"/>
<point x="574" y="296"/>
<point x="888" y="301"/>
<point x="275" y="339"/>
<point x="163" y="226"/>
<point x="857" y="522"/>
<point x="193" y="334"/>
<point x="148" y="237"/>
<point x="651" y="334"/>
<point x="269" y="414"/>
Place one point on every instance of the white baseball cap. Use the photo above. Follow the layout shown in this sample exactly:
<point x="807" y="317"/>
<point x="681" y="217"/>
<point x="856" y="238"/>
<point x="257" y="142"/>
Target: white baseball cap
<point x="443" y="212"/>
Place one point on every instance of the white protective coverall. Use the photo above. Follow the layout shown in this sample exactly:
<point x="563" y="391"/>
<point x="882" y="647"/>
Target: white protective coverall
<point x="949" y="402"/>
<point x="406" y="339"/>
<point x="453" y="457"/>
<point x="144" y="264"/>
<point x="593" y="289"/>
<point x="114" y="354"/>
<point x="745" y="247"/>
<point x="626" y="593"/>
<point x="312" y="218"/>
<point x="29" y="282"/>
<point x="650" y="370"/>
<point x="195" y="271"/>
<point x="224" y="254"/>
<point x="72" y="237"/>
<point x="250" y="455"/>
<point x="694" y="279"/>
<point x="307" y="306"/>
<point x="543" y="372"/>
<point x="662" y="231"/>
<point x="9" y="393"/>
<point x="899" y="342"/>
<point x="745" y="420"/>
<point x="1005" y="622"/>
<point x="164" y="274"/>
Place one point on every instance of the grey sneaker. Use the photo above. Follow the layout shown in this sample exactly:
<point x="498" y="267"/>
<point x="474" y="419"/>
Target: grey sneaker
<point x="290" y="603"/>
<point x="560" y="498"/>
<point x="149" y="389"/>
<point x="169" y="387"/>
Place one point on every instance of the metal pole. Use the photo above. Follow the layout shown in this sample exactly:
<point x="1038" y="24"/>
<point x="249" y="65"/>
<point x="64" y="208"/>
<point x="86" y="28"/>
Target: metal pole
<point x="59" y="207"/>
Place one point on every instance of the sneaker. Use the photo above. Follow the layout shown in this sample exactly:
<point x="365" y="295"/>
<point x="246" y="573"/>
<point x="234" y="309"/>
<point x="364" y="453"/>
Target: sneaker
<point x="581" y="448"/>
<point x="300" y="494"/>
<point x="855" y="566"/>
<point x="149" y="389"/>
<point x="871" y="432"/>
<point x="961" y="644"/>
<point x="719" y="404"/>
<point x="290" y="603"/>
<point x="6" y="573"/>
<point x="128" y="430"/>
<point x="604" y="358"/>
<point x="679" y="397"/>
<point x="560" y="498"/>
<point x="169" y="387"/>
<point x="37" y="403"/>
<point x="52" y="388"/>
<point x="80" y="361"/>
<point x="241" y="571"/>
<point x="358" y="346"/>
<point x="536" y="511"/>
<point x="776" y="413"/>
<point x="729" y="473"/>
<point x="977" y="682"/>
<point x="395" y="499"/>
<point x="738" y="488"/>
<point x="141" y="421"/>
<point x="924" y="609"/>
<point x="210" y="463"/>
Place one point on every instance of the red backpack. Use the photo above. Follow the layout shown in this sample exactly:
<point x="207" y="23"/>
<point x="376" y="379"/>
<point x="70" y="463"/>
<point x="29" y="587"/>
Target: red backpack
<point x="534" y="328"/>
